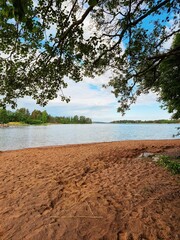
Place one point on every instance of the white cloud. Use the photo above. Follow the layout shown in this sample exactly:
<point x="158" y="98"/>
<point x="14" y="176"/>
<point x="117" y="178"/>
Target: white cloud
<point x="99" y="80"/>
<point x="147" y="99"/>
<point x="87" y="93"/>
<point x="97" y="103"/>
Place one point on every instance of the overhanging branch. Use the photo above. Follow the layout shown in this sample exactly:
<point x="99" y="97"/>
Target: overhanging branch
<point x="175" y="51"/>
<point x="129" y="25"/>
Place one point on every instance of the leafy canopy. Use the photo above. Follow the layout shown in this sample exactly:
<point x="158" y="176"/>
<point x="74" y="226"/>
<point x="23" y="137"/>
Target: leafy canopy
<point x="168" y="80"/>
<point x="41" y="42"/>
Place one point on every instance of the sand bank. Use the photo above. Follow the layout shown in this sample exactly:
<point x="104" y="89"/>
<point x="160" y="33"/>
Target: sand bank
<point x="89" y="191"/>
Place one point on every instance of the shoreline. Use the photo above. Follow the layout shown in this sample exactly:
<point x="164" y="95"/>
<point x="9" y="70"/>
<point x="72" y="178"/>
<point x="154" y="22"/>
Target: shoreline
<point x="89" y="143"/>
<point x="89" y="191"/>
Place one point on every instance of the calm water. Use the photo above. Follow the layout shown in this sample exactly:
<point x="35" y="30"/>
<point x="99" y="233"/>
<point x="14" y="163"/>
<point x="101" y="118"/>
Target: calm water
<point x="35" y="136"/>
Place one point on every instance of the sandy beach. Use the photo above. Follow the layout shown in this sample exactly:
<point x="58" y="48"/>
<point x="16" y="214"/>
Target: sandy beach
<point x="100" y="191"/>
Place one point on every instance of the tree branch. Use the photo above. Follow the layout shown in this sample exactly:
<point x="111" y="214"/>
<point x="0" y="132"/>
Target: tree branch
<point x="70" y="12"/>
<point x="131" y="24"/>
<point x="166" y="37"/>
<point x="174" y="51"/>
<point x="76" y="23"/>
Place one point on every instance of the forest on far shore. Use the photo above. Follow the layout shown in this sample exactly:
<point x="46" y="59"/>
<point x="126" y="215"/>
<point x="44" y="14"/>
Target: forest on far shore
<point x="38" y="117"/>
<point x="148" y="121"/>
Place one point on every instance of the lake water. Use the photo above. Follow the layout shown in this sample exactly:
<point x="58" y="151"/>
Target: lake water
<point x="36" y="136"/>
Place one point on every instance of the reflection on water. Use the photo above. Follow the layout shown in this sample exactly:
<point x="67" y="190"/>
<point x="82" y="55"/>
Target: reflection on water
<point x="35" y="136"/>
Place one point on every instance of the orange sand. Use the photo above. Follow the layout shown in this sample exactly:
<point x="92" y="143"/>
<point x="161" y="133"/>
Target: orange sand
<point x="89" y="192"/>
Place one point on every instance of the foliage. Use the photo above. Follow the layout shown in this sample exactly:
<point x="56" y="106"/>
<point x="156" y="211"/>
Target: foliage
<point x="161" y="121"/>
<point x="33" y="121"/>
<point x="167" y="162"/>
<point x="41" y="42"/>
<point x="167" y="82"/>
<point x="37" y="117"/>
<point x="44" y="116"/>
<point x="69" y="120"/>
<point x="21" y="115"/>
<point x="3" y="116"/>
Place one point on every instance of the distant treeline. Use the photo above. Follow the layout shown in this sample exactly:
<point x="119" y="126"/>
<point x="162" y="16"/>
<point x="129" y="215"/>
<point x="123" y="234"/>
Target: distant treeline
<point x="37" y="117"/>
<point x="148" y="121"/>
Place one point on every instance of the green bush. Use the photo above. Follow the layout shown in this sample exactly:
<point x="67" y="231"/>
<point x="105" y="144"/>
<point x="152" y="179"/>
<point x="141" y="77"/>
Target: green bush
<point x="171" y="165"/>
<point x="33" y="121"/>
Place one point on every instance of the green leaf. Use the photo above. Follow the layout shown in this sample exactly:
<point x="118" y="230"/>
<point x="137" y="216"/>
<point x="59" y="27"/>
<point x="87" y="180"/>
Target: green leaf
<point x="92" y="3"/>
